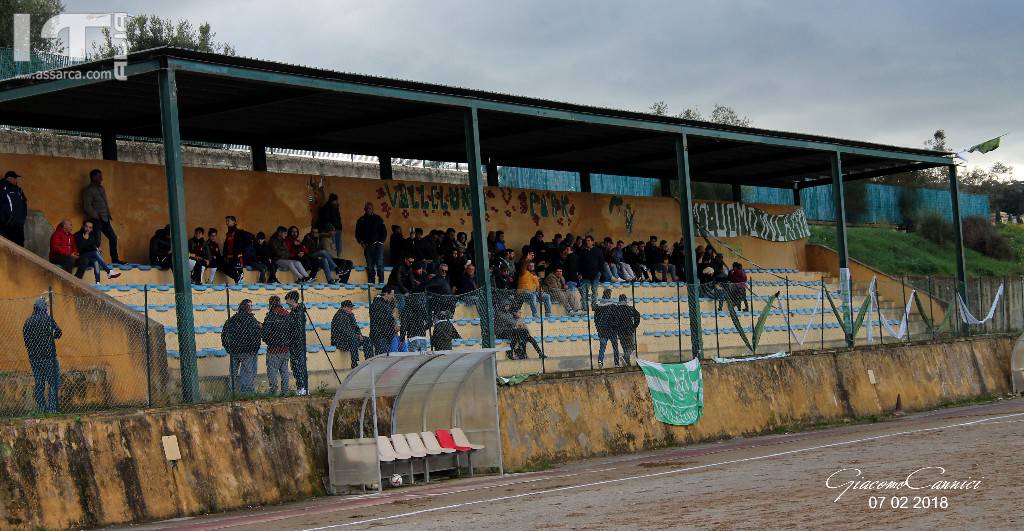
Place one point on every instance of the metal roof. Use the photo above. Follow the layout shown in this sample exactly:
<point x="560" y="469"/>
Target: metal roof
<point x="235" y="100"/>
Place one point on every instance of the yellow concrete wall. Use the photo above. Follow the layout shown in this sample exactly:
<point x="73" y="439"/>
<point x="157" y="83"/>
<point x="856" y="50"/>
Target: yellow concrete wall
<point x="108" y="469"/>
<point x="262" y="201"/>
<point x="102" y="352"/>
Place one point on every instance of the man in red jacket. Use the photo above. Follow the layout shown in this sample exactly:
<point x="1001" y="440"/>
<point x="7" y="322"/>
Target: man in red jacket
<point x="63" y="251"/>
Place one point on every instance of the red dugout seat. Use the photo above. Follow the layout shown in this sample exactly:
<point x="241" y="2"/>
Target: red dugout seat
<point x="444" y="437"/>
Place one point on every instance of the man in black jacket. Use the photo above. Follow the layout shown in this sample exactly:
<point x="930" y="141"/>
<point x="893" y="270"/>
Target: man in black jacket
<point x="399" y="246"/>
<point x="160" y="248"/>
<point x="236" y="244"/>
<point x="297" y="345"/>
<point x="13" y="209"/>
<point x="382" y="321"/>
<point x="328" y="220"/>
<point x="240" y="336"/>
<point x="39" y="332"/>
<point x="591" y="259"/>
<point x="604" y="323"/>
<point x="626" y="320"/>
<point x="345" y="333"/>
<point x="444" y="332"/>
<point x="277" y="333"/>
<point x="371" y="233"/>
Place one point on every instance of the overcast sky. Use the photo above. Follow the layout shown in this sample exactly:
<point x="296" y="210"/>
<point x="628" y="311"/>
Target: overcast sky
<point x="881" y="71"/>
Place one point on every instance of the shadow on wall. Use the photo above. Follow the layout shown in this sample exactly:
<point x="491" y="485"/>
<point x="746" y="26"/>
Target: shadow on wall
<point x="105" y="357"/>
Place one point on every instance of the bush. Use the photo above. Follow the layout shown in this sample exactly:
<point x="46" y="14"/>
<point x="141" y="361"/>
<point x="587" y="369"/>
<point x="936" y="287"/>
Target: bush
<point x="934" y="228"/>
<point x="982" y="236"/>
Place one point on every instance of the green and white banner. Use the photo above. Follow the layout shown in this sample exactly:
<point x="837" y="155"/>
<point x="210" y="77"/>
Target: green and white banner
<point x="737" y="219"/>
<point x="677" y="391"/>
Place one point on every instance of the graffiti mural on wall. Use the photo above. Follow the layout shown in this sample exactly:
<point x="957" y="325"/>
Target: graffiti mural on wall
<point x="453" y="202"/>
<point x="738" y="219"/>
<point x="617" y="204"/>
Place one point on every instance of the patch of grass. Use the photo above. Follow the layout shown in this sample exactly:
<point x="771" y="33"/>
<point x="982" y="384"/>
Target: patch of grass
<point x="536" y="466"/>
<point x="901" y="253"/>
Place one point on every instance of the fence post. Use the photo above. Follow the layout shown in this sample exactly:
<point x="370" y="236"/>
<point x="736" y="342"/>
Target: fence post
<point x="931" y="310"/>
<point x="1022" y="301"/>
<point x="718" y="338"/>
<point x="903" y="289"/>
<point x="49" y="294"/>
<point x="590" y="340"/>
<point x="149" y="348"/>
<point x="789" y="319"/>
<point x="750" y="310"/>
<point x="543" y="354"/>
<point x="878" y="310"/>
<point x="227" y="300"/>
<point x="679" y="319"/>
<point x="822" y="330"/>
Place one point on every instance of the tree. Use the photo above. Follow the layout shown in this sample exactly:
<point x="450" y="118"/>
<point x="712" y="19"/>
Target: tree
<point x="143" y="32"/>
<point x="721" y="114"/>
<point x="39" y="11"/>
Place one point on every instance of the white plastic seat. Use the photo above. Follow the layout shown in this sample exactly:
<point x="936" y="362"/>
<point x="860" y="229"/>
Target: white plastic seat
<point x="434" y="447"/>
<point x="385" y="453"/>
<point x="402" y="447"/>
<point x="417" y="446"/>
<point x="462" y="440"/>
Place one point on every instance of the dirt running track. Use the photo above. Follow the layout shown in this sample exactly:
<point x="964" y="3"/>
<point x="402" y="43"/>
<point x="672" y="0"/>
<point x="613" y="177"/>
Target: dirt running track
<point x="771" y="481"/>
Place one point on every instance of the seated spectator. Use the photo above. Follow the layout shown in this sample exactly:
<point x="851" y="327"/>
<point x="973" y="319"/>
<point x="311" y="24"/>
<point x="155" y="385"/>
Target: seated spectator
<point x="462" y="242"/>
<point x="444" y="332"/>
<point x="633" y="256"/>
<point x="260" y="258"/>
<point x="492" y="240"/>
<point x="467" y="282"/>
<point x="346" y="335"/>
<point x="317" y="254"/>
<point x="400" y="280"/>
<point x="456" y="262"/>
<point x="328" y="222"/>
<point x="671" y="273"/>
<point x="282" y="255"/>
<point x="236" y="243"/>
<point x="213" y="247"/>
<point x="398" y="245"/>
<point x="538" y="246"/>
<point x="499" y="241"/>
<point x="160" y="248"/>
<point x="555" y="286"/>
<point x="508" y="325"/>
<point x="618" y="259"/>
<point x="529" y="289"/>
<point x="87" y="242"/>
<point x="62" y="247"/>
<point x="447" y="244"/>
<point x="198" y="255"/>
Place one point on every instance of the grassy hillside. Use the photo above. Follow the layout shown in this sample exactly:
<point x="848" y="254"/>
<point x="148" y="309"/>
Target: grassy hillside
<point x="899" y="253"/>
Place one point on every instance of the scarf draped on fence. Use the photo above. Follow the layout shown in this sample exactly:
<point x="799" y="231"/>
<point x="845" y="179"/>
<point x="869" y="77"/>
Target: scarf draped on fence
<point x="969" y="318"/>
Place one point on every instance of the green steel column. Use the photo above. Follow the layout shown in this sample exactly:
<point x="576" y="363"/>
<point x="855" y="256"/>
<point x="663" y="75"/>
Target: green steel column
<point x="108" y="143"/>
<point x="492" y="173"/>
<point x="796" y="195"/>
<point x="958" y="233"/>
<point x="384" y="163"/>
<point x="259" y="157"/>
<point x="585" y="182"/>
<point x="839" y="206"/>
<point x="689" y="240"/>
<point x="737" y="193"/>
<point x="179" y="234"/>
<point x="476" y="189"/>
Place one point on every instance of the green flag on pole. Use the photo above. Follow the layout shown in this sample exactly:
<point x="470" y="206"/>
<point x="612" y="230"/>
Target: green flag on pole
<point x="985" y="147"/>
<point x="677" y="391"/>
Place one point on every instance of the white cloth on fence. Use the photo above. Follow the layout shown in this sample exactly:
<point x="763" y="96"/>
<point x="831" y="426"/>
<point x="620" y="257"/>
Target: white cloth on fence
<point x="810" y="322"/>
<point x="902" y="332"/>
<point x="753" y="358"/>
<point x="967" y="317"/>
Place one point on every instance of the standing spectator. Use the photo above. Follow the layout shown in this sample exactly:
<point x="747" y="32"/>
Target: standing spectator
<point x="328" y="220"/>
<point x="415" y="317"/>
<point x="423" y="246"/>
<point x="260" y="258"/>
<point x="97" y="208"/>
<point x="63" y="251"/>
<point x="591" y="261"/>
<point x="626" y="321"/>
<point x="297" y="343"/>
<point x="315" y="252"/>
<point x="213" y="249"/>
<point x="671" y="274"/>
<point x="462" y="242"/>
<point x="241" y="336"/>
<point x="40" y="332"/>
<point x="371" y="233"/>
<point x="13" y="209"/>
<point x="198" y="254"/>
<point x="282" y="256"/>
<point x="738" y="286"/>
<point x="237" y="243"/>
<point x="382" y="321"/>
<point x="277" y="335"/>
<point x="160" y="248"/>
<point x="345" y="333"/>
<point x="538" y="246"/>
<point x="456" y="262"/>
<point x="398" y="245"/>
<point x="529" y="288"/>
<point x="604" y="322"/>
<point x="444" y="333"/>
<point x="88" y="245"/>
<point x="555" y="286"/>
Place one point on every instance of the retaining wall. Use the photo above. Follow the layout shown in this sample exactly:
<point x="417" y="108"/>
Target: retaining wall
<point x="110" y="468"/>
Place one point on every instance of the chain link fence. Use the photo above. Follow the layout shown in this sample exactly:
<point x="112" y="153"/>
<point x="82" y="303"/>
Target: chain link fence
<point x="262" y="340"/>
